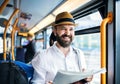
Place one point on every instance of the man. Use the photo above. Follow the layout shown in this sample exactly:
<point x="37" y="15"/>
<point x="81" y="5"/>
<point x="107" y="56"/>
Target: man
<point x="60" y="56"/>
<point x="30" y="48"/>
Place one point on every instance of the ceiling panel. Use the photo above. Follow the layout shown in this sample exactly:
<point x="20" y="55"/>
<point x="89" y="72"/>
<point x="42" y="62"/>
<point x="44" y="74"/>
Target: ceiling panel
<point x="38" y="9"/>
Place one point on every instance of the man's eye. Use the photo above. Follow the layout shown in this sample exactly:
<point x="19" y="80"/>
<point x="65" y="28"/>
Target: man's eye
<point x="71" y="29"/>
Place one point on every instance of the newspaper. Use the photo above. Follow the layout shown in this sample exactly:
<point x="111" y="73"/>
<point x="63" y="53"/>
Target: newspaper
<point x="67" y="77"/>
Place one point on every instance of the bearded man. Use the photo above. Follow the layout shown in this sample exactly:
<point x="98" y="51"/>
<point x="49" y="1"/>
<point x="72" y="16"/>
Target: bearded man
<point x="60" y="56"/>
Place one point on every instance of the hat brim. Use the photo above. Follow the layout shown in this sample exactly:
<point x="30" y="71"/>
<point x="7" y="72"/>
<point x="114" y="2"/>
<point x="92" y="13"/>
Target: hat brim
<point x="64" y="23"/>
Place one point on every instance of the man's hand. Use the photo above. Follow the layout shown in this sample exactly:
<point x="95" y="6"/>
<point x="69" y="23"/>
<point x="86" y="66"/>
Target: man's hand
<point x="50" y="82"/>
<point x="83" y="81"/>
<point x="88" y="79"/>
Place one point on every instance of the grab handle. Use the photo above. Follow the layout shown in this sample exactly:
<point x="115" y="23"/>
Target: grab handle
<point x="103" y="44"/>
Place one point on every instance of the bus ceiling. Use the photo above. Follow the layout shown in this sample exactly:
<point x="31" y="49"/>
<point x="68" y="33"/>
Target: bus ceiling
<point x="36" y="15"/>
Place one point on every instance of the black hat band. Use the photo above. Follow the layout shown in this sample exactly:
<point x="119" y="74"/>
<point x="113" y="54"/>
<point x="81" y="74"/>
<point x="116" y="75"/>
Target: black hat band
<point x="65" y="20"/>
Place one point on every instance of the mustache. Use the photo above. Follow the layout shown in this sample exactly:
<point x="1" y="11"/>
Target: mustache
<point x="65" y="35"/>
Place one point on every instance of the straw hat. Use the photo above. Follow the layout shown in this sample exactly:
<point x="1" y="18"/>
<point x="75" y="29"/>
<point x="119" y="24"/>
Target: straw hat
<point x="64" y="18"/>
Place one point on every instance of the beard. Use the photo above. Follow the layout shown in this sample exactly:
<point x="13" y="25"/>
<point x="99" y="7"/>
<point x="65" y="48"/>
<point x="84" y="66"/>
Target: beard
<point x="63" y="42"/>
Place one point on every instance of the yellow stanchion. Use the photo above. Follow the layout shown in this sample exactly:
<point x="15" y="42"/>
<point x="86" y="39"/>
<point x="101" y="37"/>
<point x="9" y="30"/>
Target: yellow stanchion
<point x="4" y="37"/>
<point x="103" y="44"/>
<point x="13" y="37"/>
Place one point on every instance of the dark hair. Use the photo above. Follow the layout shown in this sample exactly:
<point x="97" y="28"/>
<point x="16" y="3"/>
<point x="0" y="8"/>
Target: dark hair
<point x="52" y="39"/>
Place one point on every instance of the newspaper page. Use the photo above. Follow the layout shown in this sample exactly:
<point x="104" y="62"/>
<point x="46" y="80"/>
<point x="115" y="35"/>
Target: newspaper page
<point x="67" y="77"/>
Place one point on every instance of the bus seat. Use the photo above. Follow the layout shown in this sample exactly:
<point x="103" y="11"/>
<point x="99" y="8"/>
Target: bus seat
<point x="27" y="67"/>
<point x="20" y="52"/>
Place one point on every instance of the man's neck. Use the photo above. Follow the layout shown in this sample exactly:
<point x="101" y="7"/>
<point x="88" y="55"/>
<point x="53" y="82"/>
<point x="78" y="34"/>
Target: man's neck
<point x="65" y="50"/>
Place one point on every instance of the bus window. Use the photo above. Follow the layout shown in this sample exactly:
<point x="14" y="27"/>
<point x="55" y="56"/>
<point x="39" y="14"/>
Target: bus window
<point x="24" y="41"/>
<point x="90" y="45"/>
<point x="39" y="42"/>
<point x="89" y="21"/>
<point x="49" y="31"/>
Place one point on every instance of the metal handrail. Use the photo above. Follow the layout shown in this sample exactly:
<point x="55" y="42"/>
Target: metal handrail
<point x="4" y="37"/>
<point x="13" y="37"/>
<point x="103" y="44"/>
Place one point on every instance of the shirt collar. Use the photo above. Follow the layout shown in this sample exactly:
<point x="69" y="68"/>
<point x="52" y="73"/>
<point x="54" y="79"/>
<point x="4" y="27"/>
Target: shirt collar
<point x="58" y="50"/>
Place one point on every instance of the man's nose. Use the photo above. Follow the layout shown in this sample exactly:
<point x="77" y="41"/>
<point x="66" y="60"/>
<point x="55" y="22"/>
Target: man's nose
<point x="67" y="32"/>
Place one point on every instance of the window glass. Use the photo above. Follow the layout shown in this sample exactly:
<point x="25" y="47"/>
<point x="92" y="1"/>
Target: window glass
<point x="90" y="45"/>
<point x="8" y="44"/>
<point x="24" y="41"/>
<point x="89" y="21"/>
<point x="49" y="31"/>
<point x="39" y="41"/>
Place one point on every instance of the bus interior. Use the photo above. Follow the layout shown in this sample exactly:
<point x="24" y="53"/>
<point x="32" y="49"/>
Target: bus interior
<point x="97" y="31"/>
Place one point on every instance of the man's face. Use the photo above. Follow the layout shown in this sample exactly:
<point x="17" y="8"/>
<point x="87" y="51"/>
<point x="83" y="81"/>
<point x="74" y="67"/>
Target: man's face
<point x="64" y="34"/>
